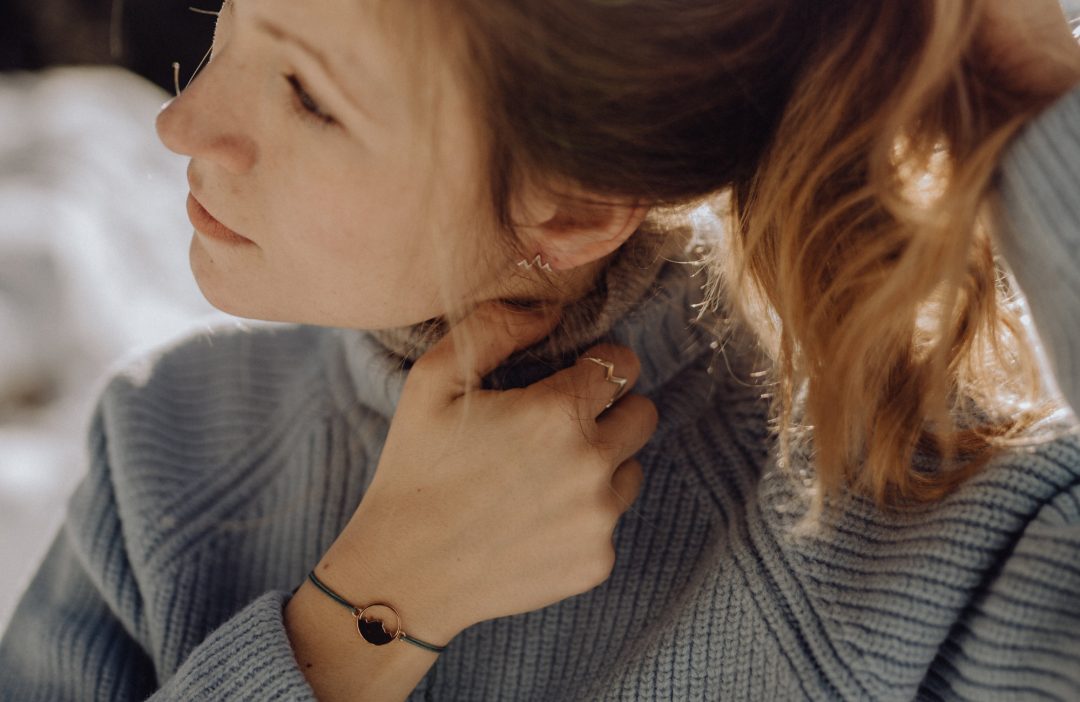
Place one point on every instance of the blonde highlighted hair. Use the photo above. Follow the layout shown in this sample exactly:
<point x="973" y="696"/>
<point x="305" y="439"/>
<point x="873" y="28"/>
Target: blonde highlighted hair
<point x="862" y="257"/>
<point x="851" y="146"/>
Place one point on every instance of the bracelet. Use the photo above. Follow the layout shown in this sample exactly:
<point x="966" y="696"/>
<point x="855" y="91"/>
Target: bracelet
<point x="372" y="627"/>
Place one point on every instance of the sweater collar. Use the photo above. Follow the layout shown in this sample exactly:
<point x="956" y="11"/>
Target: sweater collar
<point x="650" y="304"/>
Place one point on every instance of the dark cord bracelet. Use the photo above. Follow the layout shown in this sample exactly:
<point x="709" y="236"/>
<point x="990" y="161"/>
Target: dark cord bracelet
<point x="371" y="620"/>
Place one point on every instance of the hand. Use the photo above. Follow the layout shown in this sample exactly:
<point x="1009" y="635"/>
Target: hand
<point x="505" y="509"/>
<point x="1028" y="46"/>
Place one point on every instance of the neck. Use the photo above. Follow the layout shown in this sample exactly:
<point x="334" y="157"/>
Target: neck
<point x="645" y="299"/>
<point x="618" y="285"/>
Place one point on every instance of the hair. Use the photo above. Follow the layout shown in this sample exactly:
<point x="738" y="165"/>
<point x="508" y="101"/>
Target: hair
<point x="851" y="147"/>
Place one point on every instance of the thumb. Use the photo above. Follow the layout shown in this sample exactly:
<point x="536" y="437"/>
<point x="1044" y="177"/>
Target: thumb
<point x="491" y="332"/>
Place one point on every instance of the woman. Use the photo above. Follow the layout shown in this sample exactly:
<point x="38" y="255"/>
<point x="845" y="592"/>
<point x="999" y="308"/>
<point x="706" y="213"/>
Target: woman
<point x="526" y="526"/>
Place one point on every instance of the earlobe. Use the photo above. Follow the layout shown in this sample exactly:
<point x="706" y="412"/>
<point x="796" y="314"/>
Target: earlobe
<point x="570" y="227"/>
<point x="590" y="233"/>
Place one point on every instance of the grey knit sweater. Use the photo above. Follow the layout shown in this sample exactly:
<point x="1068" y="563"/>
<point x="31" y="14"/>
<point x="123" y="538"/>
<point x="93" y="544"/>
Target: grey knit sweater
<point x="220" y="469"/>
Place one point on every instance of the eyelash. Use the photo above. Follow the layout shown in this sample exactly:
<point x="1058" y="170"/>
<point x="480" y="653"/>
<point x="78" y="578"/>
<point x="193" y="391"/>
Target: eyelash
<point x="306" y="105"/>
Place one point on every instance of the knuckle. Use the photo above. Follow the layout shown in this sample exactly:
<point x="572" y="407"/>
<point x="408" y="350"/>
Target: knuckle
<point x="603" y="457"/>
<point x="597" y="569"/>
<point x="423" y="367"/>
<point x="572" y="441"/>
<point x="605" y="449"/>
<point x="570" y="405"/>
<point x="544" y="405"/>
<point x="642" y="415"/>
<point x="561" y="401"/>
<point x="603" y="564"/>
<point x="652" y="414"/>
<point x="631" y="472"/>
<point x="609" y="510"/>
<point x="625" y="499"/>
<point x="616" y="505"/>
<point x="625" y="360"/>
<point x="625" y="487"/>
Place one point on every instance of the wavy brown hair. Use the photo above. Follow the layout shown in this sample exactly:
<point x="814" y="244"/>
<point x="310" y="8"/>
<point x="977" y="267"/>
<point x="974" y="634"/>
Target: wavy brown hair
<point x="863" y="256"/>
<point x="852" y="147"/>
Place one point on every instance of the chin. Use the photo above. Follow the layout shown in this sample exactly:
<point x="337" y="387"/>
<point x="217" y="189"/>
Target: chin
<point x="216" y="285"/>
<point x="242" y="291"/>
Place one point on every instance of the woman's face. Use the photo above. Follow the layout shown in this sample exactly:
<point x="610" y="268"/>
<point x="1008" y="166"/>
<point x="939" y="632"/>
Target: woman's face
<point x="311" y="137"/>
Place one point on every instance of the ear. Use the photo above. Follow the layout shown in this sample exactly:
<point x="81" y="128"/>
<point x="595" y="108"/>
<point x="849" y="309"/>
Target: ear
<point x="577" y="229"/>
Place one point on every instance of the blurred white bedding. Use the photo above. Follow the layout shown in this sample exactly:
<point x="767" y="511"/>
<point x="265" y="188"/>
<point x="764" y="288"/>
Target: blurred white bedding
<point x="93" y="266"/>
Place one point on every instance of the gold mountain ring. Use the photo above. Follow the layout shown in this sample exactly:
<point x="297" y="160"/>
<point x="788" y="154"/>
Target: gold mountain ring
<point x="611" y="378"/>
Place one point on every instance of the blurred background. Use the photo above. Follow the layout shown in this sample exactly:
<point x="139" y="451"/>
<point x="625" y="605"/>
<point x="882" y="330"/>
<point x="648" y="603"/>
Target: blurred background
<point x="93" y="235"/>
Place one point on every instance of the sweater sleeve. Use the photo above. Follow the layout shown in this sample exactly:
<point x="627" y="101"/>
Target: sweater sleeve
<point x="1040" y="233"/>
<point x="81" y="631"/>
<point x="1018" y="640"/>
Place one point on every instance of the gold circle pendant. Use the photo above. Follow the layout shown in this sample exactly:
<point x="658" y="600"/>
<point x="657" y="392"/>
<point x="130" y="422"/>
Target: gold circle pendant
<point x="379" y="624"/>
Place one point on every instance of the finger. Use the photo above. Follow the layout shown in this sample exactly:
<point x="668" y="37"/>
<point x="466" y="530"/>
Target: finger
<point x="625" y="429"/>
<point x="626" y="483"/>
<point x="584" y="386"/>
<point x="491" y="332"/>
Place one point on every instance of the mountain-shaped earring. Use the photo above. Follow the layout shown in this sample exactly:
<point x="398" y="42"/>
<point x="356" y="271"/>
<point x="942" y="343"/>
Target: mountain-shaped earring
<point x="537" y="262"/>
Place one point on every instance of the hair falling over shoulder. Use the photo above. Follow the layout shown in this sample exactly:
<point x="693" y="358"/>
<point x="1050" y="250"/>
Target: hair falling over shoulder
<point x="852" y="147"/>
<point x="860" y="254"/>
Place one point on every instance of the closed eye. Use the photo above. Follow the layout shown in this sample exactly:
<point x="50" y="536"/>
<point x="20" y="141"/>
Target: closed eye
<point x="306" y="105"/>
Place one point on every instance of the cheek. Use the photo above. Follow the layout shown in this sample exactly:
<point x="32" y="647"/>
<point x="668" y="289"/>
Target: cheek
<point x="343" y="202"/>
<point x="359" y="238"/>
<point x="366" y="257"/>
<point x="370" y="211"/>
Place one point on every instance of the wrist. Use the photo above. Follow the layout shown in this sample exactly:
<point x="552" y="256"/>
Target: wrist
<point x="364" y="574"/>
<point x="335" y="659"/>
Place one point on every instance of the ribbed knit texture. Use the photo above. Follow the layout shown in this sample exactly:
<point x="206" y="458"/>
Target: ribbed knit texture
<point x="222" y="468"/>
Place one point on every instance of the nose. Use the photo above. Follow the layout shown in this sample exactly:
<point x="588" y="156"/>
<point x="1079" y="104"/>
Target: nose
<point x="203" y="123"/>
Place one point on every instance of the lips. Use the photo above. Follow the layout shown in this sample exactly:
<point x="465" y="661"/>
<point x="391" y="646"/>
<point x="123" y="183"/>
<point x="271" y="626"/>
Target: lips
<point x="205" y="223"/>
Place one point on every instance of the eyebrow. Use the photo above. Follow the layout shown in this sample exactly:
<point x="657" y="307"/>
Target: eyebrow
<point x="281" y="35"/>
